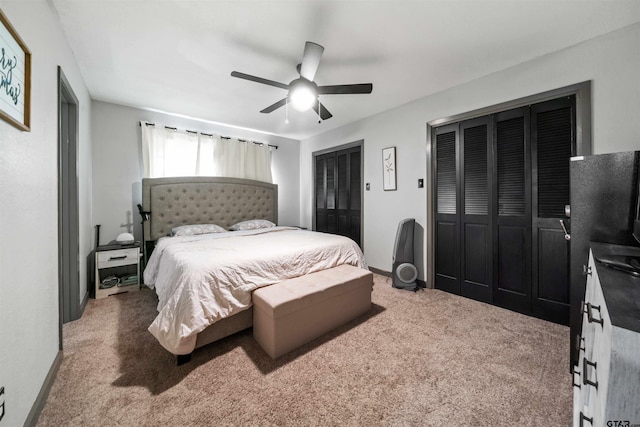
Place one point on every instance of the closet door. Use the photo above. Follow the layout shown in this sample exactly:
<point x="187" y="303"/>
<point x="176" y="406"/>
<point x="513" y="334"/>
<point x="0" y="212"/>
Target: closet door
<point x="338" y="183"/>
<point x="552" y="144"/>
<point x="476" y="219"/>
<point x="447" y="217"/>
<point x="502" y="183"/>
<point x="325" y="180"/>
<point x="512" y="189"/>
<point x="354" y="175"/>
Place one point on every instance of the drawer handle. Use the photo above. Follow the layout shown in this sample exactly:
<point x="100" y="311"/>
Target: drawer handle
<point x="115" y="258"/>
<point x="574" y="373"/>
<point x="590" y="314"/>
<point x="586" y="380"/>
<point x="580" y="343"/>
<point x="584" y="418"/>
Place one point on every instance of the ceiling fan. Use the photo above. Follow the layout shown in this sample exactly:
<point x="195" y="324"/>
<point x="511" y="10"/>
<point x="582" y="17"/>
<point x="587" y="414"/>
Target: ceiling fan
<point x="303" y="91"/>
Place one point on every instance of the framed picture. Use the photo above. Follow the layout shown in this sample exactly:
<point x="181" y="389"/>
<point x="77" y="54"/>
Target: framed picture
<point x="389" y="168"/>
<point x="15" y="77"/>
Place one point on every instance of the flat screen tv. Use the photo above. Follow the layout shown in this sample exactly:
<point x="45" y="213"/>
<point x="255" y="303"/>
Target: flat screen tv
<point x="629" y="263"/>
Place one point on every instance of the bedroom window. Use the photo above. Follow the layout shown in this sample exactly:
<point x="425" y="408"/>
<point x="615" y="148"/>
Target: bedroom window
<point x="171" y="152"/>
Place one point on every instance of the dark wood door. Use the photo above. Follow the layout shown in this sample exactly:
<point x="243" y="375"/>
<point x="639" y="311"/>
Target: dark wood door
<point x="552" y="145"/>
<point x="463" y="231"/>
<point x="338" y="188"/>
<point x="447" y="216"/>
<point x="502" y="183"/>
<point x="512" y="190"/>
<point x="476" y="213"/>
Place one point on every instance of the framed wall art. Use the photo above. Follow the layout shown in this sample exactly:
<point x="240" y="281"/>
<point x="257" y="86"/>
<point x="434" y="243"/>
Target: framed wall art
<point x="15" y="77"/>
<point x="389" y="168"/>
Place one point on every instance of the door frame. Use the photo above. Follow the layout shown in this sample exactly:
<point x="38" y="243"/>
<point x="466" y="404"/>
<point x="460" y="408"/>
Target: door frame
<point x="582" y="92"/>
<point x="68" y="128"/>
<point x="359" y="143"/>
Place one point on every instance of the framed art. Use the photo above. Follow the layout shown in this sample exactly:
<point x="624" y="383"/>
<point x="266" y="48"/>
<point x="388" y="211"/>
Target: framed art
<point x="389" y="168"/>
<point x="15" y="77"/>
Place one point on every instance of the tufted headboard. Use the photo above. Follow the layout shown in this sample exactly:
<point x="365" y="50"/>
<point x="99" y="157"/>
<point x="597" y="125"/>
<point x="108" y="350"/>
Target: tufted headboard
<point x="205" y="200"/>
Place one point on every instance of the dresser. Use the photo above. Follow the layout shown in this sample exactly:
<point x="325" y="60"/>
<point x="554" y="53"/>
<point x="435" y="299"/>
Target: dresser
<point x="606" y="379"/>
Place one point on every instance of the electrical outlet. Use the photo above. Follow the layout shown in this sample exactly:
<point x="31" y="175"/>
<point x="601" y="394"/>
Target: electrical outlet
<point x="1" y="403"/>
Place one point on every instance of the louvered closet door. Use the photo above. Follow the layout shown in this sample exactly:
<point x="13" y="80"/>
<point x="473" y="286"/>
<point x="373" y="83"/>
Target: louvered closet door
<point x="354" y="176"/>
<point x="476" y="226"/>
<point x="512" y="189"/>
<point x="348" y="193"/>
<point x="447" y="217"/>
<point x="325" y="189"/>
<point x="552" y="143"/>
<point x="338" y="185"/>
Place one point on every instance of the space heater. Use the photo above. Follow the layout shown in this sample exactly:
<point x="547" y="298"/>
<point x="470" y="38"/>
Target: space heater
<point x="405" y="273"/>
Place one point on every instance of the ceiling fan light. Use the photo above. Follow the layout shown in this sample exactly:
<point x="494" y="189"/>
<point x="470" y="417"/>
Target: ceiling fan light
<point x="302" y="97"/>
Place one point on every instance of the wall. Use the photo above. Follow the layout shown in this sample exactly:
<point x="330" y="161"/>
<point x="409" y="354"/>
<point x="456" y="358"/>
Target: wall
<point x="28" y="212"/>
<point x="117" y="166"/>
<point x="611" y="62"/>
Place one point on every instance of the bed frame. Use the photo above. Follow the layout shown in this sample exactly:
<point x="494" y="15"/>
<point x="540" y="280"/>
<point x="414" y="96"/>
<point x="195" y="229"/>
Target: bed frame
<point x="170" y="202"/>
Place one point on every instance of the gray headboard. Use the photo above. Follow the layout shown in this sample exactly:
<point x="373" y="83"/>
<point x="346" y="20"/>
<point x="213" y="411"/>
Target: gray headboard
<point x="205" y="200"/>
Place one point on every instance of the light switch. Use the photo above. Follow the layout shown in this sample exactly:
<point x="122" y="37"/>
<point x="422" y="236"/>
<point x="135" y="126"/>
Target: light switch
<point x="368" y="186"/>
<point x="420" y="183"/>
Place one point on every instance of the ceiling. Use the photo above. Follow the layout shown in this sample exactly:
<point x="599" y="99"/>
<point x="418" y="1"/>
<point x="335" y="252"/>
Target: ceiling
<point x="176" y="56"/>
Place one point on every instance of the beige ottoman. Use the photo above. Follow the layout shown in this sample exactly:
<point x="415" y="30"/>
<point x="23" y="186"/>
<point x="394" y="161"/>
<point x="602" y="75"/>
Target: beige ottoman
<point x="293" y="312"/>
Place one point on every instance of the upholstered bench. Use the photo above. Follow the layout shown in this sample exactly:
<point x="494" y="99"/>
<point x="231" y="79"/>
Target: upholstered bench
<point x="293" y="312"/>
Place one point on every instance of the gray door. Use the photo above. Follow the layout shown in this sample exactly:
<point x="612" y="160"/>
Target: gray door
<point x="68" y="224"/>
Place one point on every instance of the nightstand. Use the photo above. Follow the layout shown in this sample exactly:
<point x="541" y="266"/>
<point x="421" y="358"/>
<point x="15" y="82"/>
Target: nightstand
<point x="117" y="269"/>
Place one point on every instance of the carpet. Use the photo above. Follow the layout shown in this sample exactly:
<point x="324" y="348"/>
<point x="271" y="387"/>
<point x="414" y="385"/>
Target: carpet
<point x="428" y="358"/>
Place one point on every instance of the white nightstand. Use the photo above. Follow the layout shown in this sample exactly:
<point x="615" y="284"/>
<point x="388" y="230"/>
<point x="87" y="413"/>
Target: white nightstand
<point x="117" y="269"/>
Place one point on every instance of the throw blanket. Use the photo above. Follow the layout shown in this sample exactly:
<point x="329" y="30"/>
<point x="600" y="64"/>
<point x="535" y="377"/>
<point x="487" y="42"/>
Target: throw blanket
<point x="202" y="279"/>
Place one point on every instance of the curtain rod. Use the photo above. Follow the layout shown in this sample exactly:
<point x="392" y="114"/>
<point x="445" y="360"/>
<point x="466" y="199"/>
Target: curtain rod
<point x="208" y="134"/>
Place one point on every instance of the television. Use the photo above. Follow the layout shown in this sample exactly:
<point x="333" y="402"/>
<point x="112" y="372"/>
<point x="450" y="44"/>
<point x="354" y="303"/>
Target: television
<point x="629" y="263"/>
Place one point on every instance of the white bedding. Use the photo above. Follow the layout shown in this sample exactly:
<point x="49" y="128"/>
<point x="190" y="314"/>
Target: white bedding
<point x="202" y="279"/>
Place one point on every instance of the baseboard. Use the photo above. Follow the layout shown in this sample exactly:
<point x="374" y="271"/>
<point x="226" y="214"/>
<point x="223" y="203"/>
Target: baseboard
<point x="83" y="304"/>
<point x="421" y="283"/>
<point x="380" y="272"/>
<point x="38" y="405"/>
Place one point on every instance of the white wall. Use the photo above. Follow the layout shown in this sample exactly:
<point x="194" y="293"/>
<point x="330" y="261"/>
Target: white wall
<point x="28" y="212"/>
<point x="611" y="62"/>
<point x="117" y="165"/>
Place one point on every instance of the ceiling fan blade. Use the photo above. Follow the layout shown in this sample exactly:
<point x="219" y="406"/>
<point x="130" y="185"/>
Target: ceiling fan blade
<point x="275" y="106"/>
<point x="311" y="60"/>
<point x="324" y="113"/>
<point x="259" y="80"/>
<point x="345" y="89"/>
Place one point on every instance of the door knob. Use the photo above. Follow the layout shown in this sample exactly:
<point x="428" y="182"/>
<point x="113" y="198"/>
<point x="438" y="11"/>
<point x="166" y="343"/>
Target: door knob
<point x="567" y="236"/>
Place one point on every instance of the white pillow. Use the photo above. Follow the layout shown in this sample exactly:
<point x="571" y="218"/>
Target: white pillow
<point x="193" y="229"/>
<point x="252" y="224"/>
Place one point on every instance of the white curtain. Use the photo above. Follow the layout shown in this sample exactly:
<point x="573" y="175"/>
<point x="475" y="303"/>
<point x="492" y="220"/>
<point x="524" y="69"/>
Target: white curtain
<point x="168" y="152"/>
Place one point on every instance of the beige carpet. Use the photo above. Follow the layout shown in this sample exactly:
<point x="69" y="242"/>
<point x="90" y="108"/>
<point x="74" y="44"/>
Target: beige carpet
<point x="428" y="358"/>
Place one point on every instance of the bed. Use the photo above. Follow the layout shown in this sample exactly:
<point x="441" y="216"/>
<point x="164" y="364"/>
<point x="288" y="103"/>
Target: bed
<point x="204" y="281"/>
